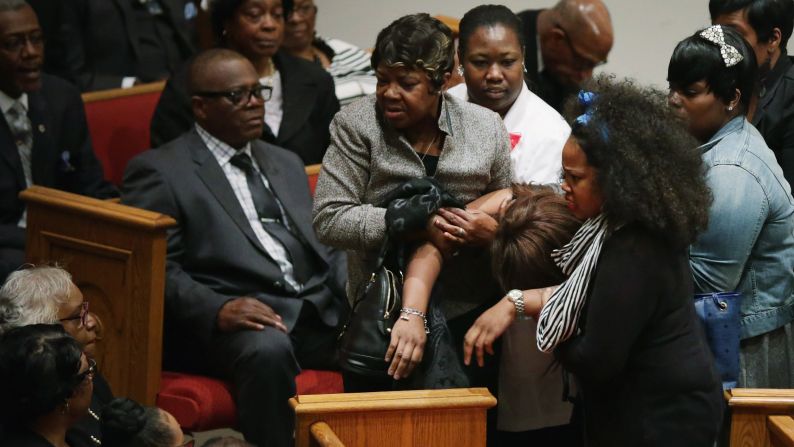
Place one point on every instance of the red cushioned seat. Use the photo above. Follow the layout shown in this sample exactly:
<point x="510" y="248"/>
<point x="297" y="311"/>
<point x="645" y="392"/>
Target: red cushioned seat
<point x="204" y="403"/>
<point x="118" y="121"/>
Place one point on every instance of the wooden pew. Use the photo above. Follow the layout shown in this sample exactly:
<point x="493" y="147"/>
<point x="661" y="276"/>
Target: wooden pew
<point x="753" y="416"/>
<point x="454" y="418"/>
<point x="116" y="255"/>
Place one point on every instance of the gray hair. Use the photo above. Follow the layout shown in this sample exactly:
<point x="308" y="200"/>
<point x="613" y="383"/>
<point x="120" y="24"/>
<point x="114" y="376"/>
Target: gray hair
<point x="33" y="295"/>
<point x="12" y="5"/>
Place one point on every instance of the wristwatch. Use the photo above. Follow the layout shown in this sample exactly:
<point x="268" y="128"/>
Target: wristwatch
<point x="516" y="297"/>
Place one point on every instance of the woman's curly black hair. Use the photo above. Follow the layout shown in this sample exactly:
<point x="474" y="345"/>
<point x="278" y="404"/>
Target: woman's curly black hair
<point x="416" y="41"/>
<point x="648" y="167"/>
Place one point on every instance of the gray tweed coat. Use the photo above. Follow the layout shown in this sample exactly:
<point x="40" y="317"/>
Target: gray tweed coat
<point x="367" y="158"/>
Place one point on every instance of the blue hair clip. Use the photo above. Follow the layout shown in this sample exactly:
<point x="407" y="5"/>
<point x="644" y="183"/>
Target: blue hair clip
<point x="587" y="100"/>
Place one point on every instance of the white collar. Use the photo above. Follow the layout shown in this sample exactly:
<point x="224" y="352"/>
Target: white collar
<point x="6" y="102"/>
<point x="220" y="150"/>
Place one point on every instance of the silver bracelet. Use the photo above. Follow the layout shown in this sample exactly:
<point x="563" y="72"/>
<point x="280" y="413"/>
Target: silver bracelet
<point x="411" y="311"/>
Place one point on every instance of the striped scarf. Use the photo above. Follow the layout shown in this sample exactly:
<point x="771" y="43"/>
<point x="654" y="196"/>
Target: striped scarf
<point x="578" y="259"/>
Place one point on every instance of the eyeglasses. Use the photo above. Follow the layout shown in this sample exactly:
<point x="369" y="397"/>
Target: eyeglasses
<point x="90" y="372"/>
<point x="241" y="96"/>
<point x="580" y="62"/>
<point x="82" y="316"/>
<point x="16" y="42"/>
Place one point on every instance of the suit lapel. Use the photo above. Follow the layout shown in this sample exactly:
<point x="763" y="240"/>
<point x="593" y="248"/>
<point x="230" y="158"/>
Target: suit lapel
<point x="210" y="172"/>
<point x="129" y="23"/>
<point x="300" y="217"/>
<point x="44" y="156"/>
<point x="298" y="91"/>
<point x="9" y="152"/>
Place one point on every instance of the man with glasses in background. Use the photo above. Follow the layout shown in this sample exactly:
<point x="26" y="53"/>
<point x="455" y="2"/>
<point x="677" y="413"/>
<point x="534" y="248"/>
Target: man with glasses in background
<point x="563" y="44"/>
<point x="43" y="133"/>
<point x="251" y="294"/>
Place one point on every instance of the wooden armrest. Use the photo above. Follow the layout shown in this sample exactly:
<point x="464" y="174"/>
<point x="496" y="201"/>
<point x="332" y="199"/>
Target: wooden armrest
<point x="324" y="436"/>
<point x="781" y="430"/>
<point x="439" y="418"/>
<point x="761" y="398"/>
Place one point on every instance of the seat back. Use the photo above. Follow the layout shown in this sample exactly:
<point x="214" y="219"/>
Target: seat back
<point x="118" y="121"/>
<point x="313" y="172"/>
<point x="454" y="418"/>
<point x="116" y="255"/>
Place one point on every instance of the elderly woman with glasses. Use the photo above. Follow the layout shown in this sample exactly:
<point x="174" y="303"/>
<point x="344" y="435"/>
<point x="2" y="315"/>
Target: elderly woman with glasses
<point x="46" y="382"/>
<point x="301" y="101"/>
<point x="47" y="295"/>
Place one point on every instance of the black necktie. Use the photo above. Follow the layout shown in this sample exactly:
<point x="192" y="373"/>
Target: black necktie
<point x="271" y="219"/>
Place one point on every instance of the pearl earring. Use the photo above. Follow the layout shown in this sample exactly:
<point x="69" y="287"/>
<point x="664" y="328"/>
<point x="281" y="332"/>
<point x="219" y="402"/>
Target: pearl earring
<point x="524" y="66"/>
<point x="460" y="70"/>
<point x="730" y="108"/>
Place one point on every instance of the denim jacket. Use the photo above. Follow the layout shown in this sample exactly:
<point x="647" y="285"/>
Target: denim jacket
<point x="749" y="243"/>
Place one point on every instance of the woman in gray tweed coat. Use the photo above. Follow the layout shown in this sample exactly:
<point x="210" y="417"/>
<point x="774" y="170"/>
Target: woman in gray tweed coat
<point x="410" y="129"/>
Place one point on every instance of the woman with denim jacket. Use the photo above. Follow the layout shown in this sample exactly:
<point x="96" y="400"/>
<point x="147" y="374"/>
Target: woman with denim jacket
<point x="749" y="244"/>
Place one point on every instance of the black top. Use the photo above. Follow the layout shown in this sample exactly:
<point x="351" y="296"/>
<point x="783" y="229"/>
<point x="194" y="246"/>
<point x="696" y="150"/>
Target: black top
<point x="89" y="425"/>
<point x="542" y="83"/>
<point x="644" y="370"/>
<point x="774" y="117"/>
<point x="431" y="164"/>
<point x="309" y="104"/>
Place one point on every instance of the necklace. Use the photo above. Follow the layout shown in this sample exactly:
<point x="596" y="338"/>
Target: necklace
<point x="95" y="416"/>
<point x="427" y="148"/>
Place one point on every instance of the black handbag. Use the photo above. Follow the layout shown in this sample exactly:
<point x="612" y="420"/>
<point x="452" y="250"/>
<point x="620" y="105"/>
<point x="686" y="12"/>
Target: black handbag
<point x="367" y="334"/>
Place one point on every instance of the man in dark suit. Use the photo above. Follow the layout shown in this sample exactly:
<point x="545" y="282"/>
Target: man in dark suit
<point x="563" y="45"/>
<point x="43" y="134"/>
<point x="117" y="43"/>
<point x="251" y="293"/>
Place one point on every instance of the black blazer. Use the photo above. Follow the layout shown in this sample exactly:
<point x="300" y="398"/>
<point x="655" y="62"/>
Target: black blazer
<point x="309" y="105"/>
<point x="774" y="115"/>
<point x="541" y="83"/>
<point x="102" y="38"/>
<point x="213" y="253"/>
<point x="62" y="154"/>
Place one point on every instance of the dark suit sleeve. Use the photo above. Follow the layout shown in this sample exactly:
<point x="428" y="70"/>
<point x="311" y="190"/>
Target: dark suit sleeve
<point x="173" y="116"/>
<point x="78" y="65"/>
<point x="621" y="305"/>
<point x="88" y="177"/>
<point x="189" y="303"/>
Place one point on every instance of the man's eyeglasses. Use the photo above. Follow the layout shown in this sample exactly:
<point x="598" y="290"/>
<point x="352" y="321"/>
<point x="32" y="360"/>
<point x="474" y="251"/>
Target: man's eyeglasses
<point x="241" y="96"/>
<point x="16" y="42"/>
<point x="89" y="372"/>
<point x="579" y="61"/>
<point x="82" y="316"/>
